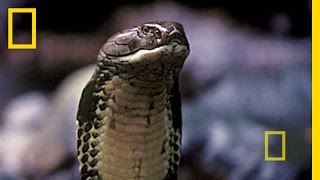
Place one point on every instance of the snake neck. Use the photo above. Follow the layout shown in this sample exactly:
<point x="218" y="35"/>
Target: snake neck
<point x="135" y="97"/>
<point x="135" y="133"/>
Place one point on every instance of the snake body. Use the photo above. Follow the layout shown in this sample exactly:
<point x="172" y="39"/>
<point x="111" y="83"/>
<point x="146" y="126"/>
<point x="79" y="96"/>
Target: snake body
<point x="129" y="116"/>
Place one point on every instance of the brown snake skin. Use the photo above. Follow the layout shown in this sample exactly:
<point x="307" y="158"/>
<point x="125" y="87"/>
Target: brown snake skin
<point x="129" y="117"/>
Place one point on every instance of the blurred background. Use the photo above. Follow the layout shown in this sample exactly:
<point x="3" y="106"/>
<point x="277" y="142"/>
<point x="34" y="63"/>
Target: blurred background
<point x="249" y="71"/>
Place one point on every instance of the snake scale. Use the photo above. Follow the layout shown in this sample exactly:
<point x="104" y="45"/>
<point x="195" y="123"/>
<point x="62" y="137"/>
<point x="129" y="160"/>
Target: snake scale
<point x="129" y="117"/>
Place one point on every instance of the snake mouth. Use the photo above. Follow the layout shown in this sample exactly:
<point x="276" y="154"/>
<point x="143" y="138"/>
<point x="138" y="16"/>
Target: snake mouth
<point x="124" y="51"/>
<point x="174" y="48"/>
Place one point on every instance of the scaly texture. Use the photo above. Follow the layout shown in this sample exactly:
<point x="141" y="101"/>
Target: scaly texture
<point x="129" y="118"/>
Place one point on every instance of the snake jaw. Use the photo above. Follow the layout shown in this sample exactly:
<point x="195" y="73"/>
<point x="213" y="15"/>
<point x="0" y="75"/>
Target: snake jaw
<point x="162" y="62"/>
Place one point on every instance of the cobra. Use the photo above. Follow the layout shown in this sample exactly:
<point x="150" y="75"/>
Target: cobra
<point x="129" y="117"/>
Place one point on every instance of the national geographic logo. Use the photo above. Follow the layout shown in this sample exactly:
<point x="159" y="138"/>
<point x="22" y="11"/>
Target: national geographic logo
<point x="33" y="44"/>
<point x="267" y="136"/>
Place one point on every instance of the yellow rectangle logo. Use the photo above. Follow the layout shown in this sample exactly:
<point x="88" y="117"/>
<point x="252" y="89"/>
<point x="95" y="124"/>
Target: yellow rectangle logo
<point x="33" y="44"/>
<point x="283" y="146"/>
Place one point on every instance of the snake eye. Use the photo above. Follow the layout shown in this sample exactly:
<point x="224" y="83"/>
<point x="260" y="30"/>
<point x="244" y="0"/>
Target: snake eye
<point x="152" y="31"/>
<point x="145" y="30"/>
